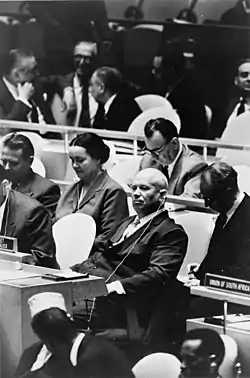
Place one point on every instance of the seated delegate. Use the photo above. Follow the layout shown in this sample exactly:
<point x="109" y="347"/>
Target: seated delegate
<point x="96" y="193"/>
<point x="141" y="258"/>
<point x="17" y="158"/>
<point x="27" y="220"/>
<point x="64" y="352"/>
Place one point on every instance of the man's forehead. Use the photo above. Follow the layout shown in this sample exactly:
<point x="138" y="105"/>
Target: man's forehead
<point x="192" y="345"/>
<point x="27" y="62"/>
<point x="11" y="153"/>
<point x="157" y="139"/>
<point x="244" y="67"/>
<point x="85" y="49"/>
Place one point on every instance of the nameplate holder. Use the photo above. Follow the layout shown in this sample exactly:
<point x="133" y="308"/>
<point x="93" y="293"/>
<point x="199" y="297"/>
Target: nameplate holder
<point x="227" y="284"/>
<point x="8" y="244"/>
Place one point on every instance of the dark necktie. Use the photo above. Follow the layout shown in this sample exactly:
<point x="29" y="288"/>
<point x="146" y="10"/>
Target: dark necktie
<point x="241" y="108"/>
<point x="34" y="113"/>
<point x="165" y="171"/>
<point x="84" y="120"/>
<point x="210" y="262"/>
<point x="100" y="120"/>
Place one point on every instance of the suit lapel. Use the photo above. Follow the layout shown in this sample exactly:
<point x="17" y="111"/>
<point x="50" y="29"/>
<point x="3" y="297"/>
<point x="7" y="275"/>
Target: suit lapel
<point x="117" y="236"/>
<point x="8" y="223"/>
<point x="176" y="173"/>
<point x="137" y="234"/>
<point x="96" y="187"/>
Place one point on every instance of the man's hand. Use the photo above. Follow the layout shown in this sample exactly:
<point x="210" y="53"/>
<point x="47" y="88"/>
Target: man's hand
<point x="192" y="282"/>
<point x="25" y="91"/>
<point x="115" y="287"/>
<point x="68" y="100"/>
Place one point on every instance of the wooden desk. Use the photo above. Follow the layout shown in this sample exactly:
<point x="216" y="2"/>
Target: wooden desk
<point x="16" y="287"/>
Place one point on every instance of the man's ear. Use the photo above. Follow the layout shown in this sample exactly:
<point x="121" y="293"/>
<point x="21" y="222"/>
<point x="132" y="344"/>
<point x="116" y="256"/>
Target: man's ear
<point x="15" y="74"/>
<point x="31" y="159"/>
<point x="236" y="81"/>
<point x="163" y="194"/>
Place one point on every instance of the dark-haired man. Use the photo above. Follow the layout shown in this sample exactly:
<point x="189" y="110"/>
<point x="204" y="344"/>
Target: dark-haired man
<point x="202" y="353"/>
<point x="165" y="152"/>
<point x="17" y="158"/>
<point x="116" y="108"/>
<point x="22" y="95"/>
<point x="228" y="252"/>
<point x="27" y="220"/>
<point x="63" y="351"/>
<point x="241" y="104"/>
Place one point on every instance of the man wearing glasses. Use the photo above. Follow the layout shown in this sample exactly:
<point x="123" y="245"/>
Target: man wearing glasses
<point x="228" y="251"/>
<point x="165" y="152"/>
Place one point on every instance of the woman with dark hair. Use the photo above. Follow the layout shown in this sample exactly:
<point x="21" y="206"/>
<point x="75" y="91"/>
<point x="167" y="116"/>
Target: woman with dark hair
<point x="96" y="193"/>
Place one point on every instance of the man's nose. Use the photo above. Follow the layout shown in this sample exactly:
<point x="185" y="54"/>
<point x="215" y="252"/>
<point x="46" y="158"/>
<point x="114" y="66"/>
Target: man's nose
<point x="7" y="165"/>
<point x="137" y="192"/>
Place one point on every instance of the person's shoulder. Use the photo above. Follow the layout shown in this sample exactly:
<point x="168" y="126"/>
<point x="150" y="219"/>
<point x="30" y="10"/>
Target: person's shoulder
<point x="163" y="220"/>
<point x="192" y="158"/>
<point x="43" y="182"/>
<point x="24" y="202"/>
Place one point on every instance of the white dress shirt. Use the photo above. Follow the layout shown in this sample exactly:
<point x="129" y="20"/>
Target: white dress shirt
<point x="236" y="204"/>
<point x="2" y="209"/>
<point x="15" y="94"/>
<point x="135" y="225"/>
<point x="93" y="105"/>
<point x="44" y="354"/>
<point x="108" y="103"/>
<point x="234" y="115"/>
<point x="171" y="166"/>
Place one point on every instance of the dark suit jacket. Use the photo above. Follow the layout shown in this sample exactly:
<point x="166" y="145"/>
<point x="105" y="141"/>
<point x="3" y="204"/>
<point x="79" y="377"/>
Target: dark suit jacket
<point x="28" y="221"/>
<point x="229" y="255"/>
<point x="96" y="358"/>
<point x="123" y="110"/>
<point x="17" y="111"/>
<point x="43" y="190"/>
<point x="154" y="256"/>
<point x="105" y="201"/>
<point x="185" y="177"/>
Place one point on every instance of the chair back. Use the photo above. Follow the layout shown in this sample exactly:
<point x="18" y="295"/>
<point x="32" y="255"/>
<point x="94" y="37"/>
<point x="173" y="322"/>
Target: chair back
<point x="237" y="132"/>
<point x="74" y="236"/>
<point x="199" y="228"/>
<point x="150" y="101"/>
<point x="38" y="167"/>
<point x="138" y="124"/>
<point x="157" y="365"/>
<point x="227" y="368"/>
<point x="112" y="155"/>
<point x="243" y="177"/>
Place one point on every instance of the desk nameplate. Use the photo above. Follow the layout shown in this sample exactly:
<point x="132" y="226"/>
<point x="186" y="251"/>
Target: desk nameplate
<point x="227" y="284"/>
<point x="8" y="244"/>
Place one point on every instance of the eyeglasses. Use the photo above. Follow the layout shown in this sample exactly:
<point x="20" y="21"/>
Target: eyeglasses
<point x="156" y="151"/>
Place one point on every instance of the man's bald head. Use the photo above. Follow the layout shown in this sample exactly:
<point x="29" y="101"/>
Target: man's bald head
<point x="154" y="176"/>
<point x="149" y="190"/>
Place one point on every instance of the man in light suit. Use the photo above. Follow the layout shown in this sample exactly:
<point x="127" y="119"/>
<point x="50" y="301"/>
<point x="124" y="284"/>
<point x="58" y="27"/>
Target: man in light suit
<point x="27" y="220"/>
<point x="228" y="251"/>
<point x="79" y="102"/>
<point x="116" y="107"/>
<point x="141" y="259"/>
<point x="164" y="151"/>
<point x="17" y="158"/>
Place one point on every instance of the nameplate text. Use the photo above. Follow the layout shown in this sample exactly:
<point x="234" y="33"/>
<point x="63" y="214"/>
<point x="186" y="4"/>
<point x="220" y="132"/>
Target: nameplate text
<point x="8" y="244"/>
<point x="227" y="283"/>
